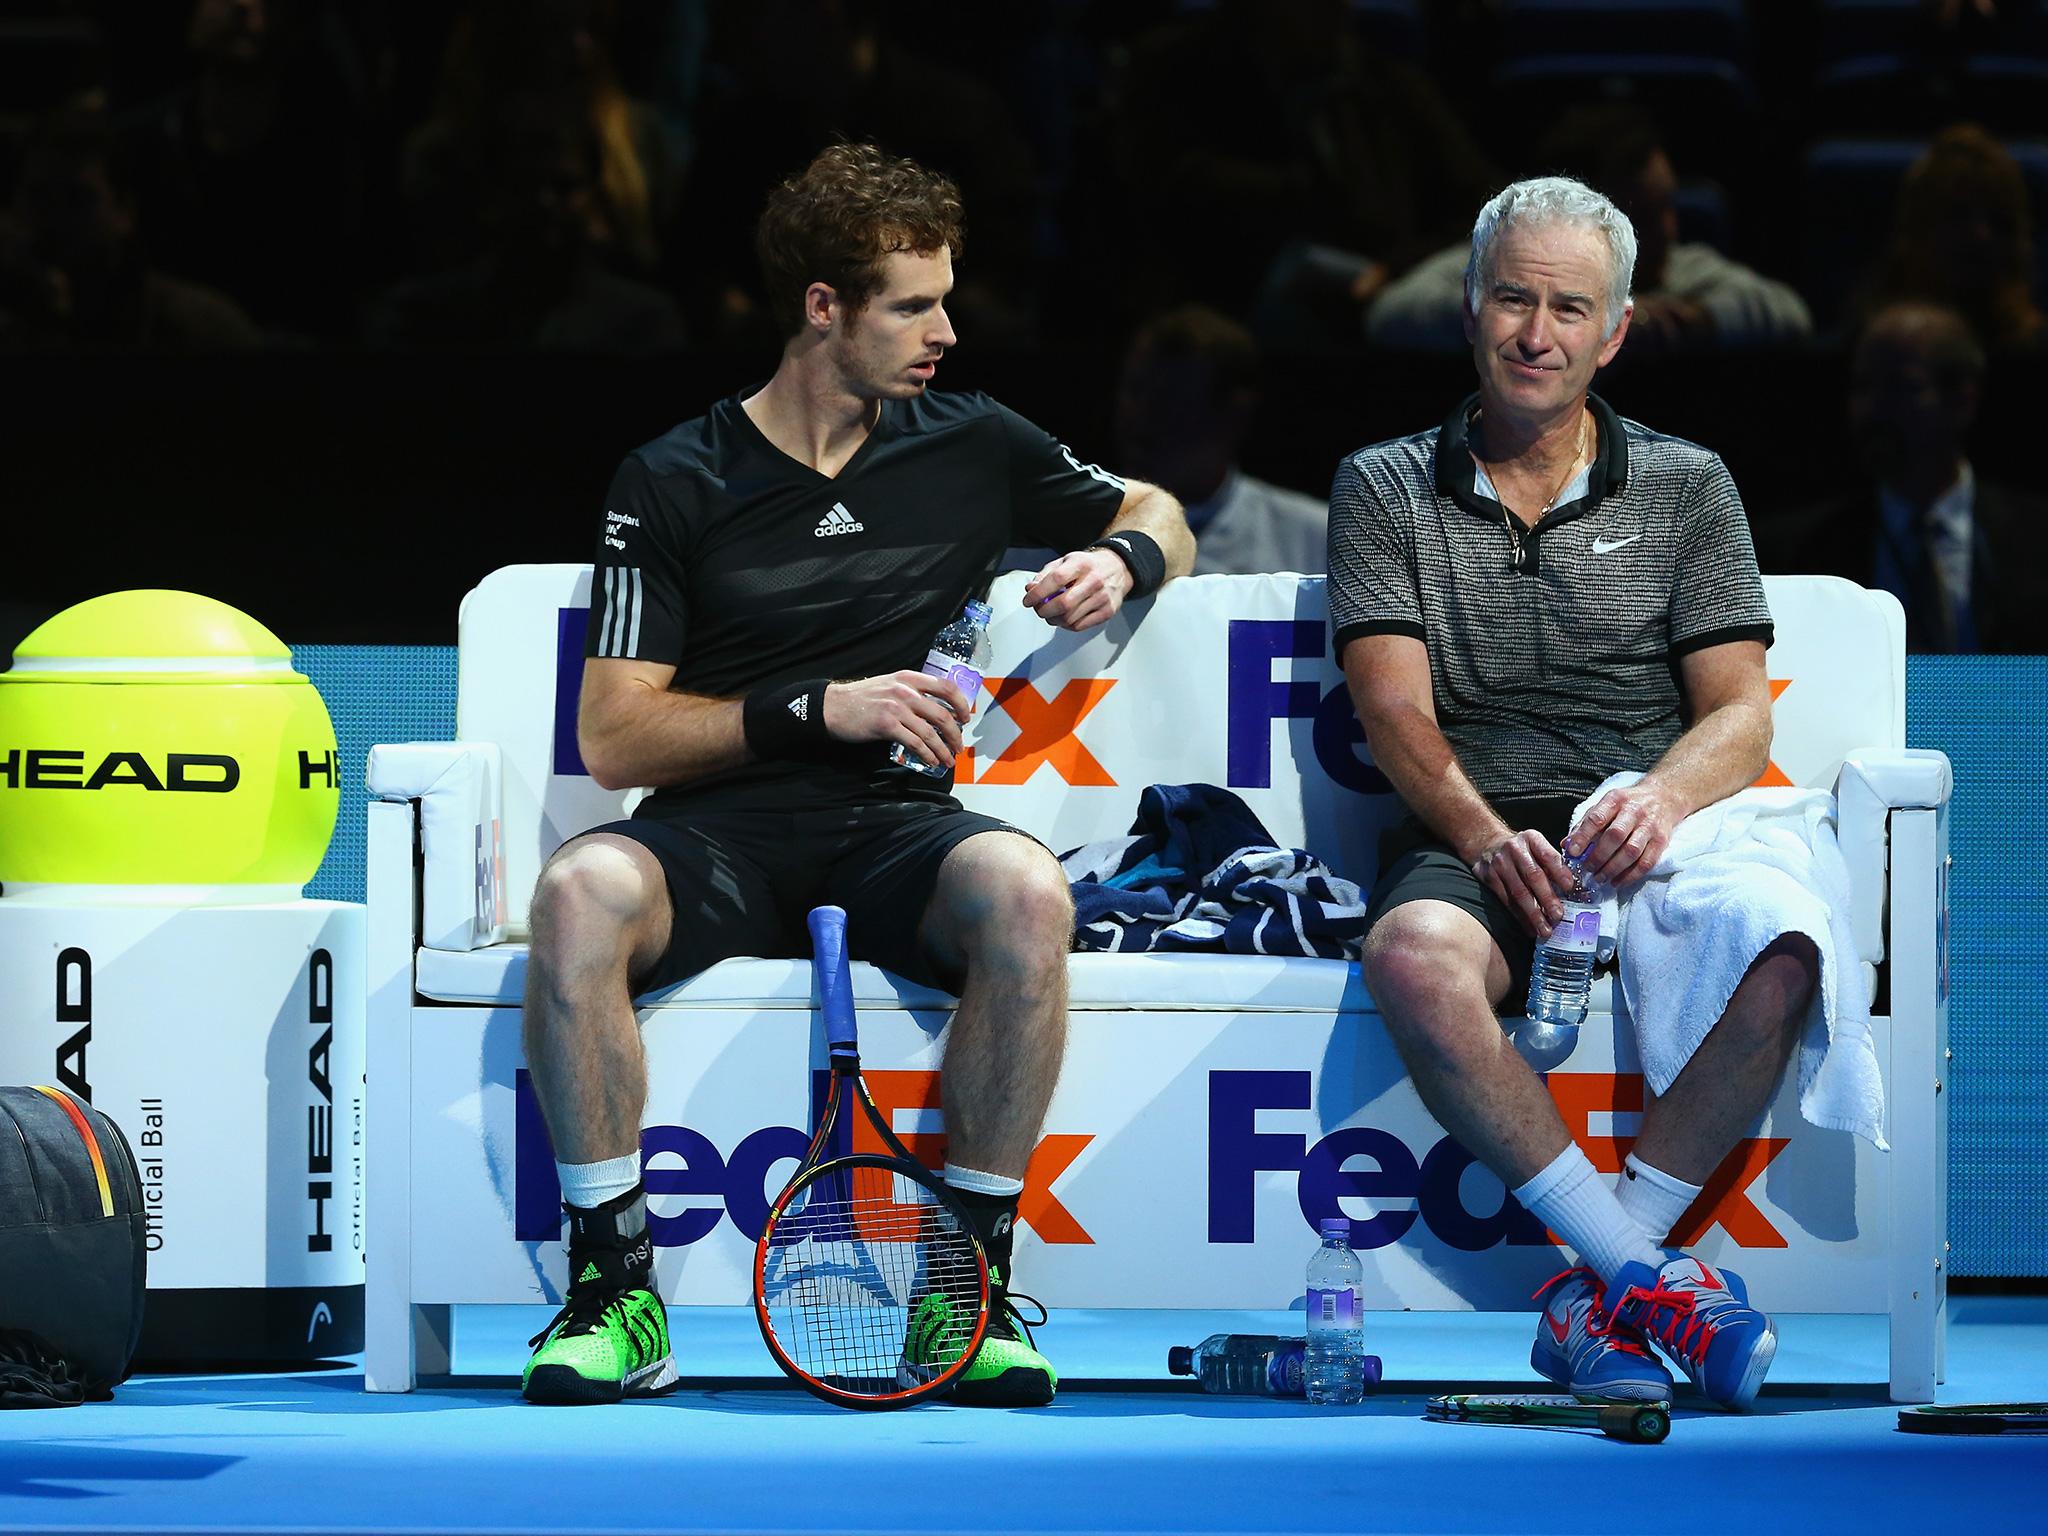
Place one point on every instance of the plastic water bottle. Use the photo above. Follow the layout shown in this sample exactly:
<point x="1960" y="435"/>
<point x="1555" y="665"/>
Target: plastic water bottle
<point x="1243" y="1364"/>
<point x="1561" y="972"/>
<point x="1336" y="1318"/>
<point x="960" y="651"/>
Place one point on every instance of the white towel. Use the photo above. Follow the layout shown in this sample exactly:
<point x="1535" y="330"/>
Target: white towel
<point x="1739" y="874"/>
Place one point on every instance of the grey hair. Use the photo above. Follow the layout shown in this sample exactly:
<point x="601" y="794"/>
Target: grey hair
<point x="1554" y="200"/>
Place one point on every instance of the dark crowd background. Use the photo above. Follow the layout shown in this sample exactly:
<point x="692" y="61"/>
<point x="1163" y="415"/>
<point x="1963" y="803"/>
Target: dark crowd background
<point x="328" y="307"/>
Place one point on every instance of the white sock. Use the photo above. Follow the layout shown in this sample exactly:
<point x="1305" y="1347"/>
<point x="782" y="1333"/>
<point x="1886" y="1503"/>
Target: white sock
<point x="589" y="1185"/>
<point x="982" y="1183"/>
<point x="1569" y="1198"/>
<point x="1653" y="1198"/>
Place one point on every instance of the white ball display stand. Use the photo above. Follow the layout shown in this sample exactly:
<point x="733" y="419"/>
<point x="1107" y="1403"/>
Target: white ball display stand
<point x="227" y="1043"/>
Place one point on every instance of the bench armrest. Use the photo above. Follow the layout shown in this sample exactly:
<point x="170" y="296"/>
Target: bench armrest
<point x="459" y="787"/>
<point x="1873" y="784"/>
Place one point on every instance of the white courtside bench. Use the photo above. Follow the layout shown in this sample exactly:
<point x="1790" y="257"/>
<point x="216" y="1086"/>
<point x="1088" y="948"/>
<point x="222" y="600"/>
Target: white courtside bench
<point x="1211" y="1107"/>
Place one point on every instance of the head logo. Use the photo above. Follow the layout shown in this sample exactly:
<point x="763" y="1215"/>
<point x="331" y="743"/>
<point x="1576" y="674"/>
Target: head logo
<point x="74" y="1006"/>
<point x="202" y="773"/>
<point x="320" y="1112"/>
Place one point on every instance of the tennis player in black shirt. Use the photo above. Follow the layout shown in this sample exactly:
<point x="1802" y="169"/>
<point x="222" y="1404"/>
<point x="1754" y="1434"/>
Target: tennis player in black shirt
<point x="769" y="578"/>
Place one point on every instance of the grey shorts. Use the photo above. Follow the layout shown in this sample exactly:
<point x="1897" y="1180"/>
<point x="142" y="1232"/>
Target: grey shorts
<point x="1416" y="865"/>
<point x="742" y="882"/>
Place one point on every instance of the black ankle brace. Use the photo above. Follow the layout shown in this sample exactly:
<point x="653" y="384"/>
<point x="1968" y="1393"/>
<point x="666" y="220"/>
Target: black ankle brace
<point x="609" y="1249"/>
<point x="994" y="1218"/>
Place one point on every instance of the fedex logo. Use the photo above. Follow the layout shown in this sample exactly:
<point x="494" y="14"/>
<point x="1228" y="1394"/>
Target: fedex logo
<point x="739" y="1186"/>
<point x="1048" y="727"/>
<point x="490" y="875"/>
<point x="1369" y="1163"/>
<point x="1254" y="700"/>
<point x="1330" y="1169"/>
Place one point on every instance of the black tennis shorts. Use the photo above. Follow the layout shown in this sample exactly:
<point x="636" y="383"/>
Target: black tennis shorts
<point x="1416" y="865"/>
<point x="742" y="882"/>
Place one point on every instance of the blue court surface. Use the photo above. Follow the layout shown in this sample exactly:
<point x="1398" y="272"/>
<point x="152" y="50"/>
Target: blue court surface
<point x="1123" y="1449"/>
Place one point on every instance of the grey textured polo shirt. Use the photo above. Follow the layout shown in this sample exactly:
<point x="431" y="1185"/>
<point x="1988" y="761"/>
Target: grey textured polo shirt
<point x="1553" y="650"/>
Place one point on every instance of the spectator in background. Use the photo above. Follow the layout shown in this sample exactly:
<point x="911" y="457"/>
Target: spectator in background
<point x="1279" y="167"/>
<point x="1968" y="559"/>
<point x="502" y="56"/>
<point x="1189" y="390"/>
<point x="784" y="76"/>
<point x="1688" y="295"/>
<point x="252" y="176"/>
<point x="539" y="283"/>
<point x="73" y="276"/>
<point x="1963" y="236"/>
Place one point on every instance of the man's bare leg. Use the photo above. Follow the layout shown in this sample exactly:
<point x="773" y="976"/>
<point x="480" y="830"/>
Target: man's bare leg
<point x="1724" y="1087"/>
<point x="1002" y="915"/>
<point x="600" y="915"/>
<point x="1436" y="975"/>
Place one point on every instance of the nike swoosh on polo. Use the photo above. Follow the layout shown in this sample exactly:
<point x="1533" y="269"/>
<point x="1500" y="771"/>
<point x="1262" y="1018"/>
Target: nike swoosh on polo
<point x="1609" y="546"/>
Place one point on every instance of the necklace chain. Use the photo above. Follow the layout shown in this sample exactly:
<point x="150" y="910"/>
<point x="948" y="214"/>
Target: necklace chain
<point x="1571" y="469"/>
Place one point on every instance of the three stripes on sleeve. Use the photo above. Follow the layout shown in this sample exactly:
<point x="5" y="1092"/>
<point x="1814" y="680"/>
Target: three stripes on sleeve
<point x="619" y="624"/>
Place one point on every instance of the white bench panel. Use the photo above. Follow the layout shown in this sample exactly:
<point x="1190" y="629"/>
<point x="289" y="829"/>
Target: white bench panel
<point x="1183" y="1150"/>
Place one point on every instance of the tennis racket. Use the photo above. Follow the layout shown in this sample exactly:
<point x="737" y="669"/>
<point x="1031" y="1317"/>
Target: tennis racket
<point x="1639" y="1423"/>
<point x="870" y="1285"/>
<point x="1976" y="1419"/>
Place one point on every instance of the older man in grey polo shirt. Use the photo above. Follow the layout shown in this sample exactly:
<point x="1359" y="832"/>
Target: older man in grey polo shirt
<point x="1527" y="599"/>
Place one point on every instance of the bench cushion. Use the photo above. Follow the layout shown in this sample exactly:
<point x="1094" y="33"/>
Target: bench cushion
<point x="496" y="975"/>
<point x="1226" y="983"/>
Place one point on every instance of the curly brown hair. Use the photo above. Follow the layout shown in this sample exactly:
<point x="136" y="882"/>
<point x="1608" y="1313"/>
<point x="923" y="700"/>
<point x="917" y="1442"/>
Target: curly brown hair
<point x="834" y="223"/>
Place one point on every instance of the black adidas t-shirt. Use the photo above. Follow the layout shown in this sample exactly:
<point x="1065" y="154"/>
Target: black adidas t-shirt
<point x="725" y="557"/>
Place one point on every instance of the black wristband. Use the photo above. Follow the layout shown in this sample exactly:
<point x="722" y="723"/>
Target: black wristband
<point x="1141" y="552"/>
<point x="787" y="722"/>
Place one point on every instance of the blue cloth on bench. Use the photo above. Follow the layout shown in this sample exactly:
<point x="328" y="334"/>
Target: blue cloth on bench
<point x="1199" y="871"/>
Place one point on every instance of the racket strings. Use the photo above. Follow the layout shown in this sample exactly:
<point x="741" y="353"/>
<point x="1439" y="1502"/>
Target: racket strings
<point x="850" y="1266"/>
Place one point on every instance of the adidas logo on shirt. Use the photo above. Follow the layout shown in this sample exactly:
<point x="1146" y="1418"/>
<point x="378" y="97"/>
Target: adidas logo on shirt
<point x="837" y="521"/>
<point x="800" y="706"/>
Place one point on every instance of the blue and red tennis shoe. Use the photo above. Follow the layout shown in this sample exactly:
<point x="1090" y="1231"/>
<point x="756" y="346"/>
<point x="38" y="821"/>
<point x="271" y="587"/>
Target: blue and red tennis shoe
<point x="1700" y="1316"/>
<point x="1581" y="1348"/>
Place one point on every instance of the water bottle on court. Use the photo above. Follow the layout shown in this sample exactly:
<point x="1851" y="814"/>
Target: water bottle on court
<point x="1335" y="1358"/>
<point x="1561" y="972"/>
<point x="960" y="651"/>
<point x="1243" y="1364"/>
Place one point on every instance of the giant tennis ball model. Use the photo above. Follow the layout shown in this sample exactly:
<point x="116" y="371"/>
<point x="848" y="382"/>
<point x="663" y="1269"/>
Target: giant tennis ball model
<point x="160" y="743"/>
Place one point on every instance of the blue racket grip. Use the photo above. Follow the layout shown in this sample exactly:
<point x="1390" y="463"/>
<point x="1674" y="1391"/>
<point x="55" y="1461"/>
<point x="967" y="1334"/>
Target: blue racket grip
<point x="835" y="978"/>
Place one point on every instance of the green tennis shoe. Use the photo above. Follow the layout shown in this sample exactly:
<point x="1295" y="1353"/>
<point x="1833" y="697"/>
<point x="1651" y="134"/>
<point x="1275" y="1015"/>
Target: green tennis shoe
<point x="602" y="1348"/>
<point x="1007" y="1371"/>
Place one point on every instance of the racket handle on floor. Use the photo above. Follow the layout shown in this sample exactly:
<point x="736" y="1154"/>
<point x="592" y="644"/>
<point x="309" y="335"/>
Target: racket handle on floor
<point x="1637" y="1423"/>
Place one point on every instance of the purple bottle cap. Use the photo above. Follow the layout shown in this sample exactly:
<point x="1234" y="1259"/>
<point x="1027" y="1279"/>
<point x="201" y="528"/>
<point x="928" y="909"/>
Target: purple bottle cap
<point x="1336" y="1226"/>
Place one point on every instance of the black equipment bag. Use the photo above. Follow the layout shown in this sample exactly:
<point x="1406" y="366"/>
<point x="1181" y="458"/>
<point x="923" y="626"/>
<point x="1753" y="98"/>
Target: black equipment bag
<point x="72" y="1234"/>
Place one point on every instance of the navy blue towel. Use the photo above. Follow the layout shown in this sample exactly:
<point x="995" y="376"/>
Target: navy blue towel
<point x="1199" y="871"/>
